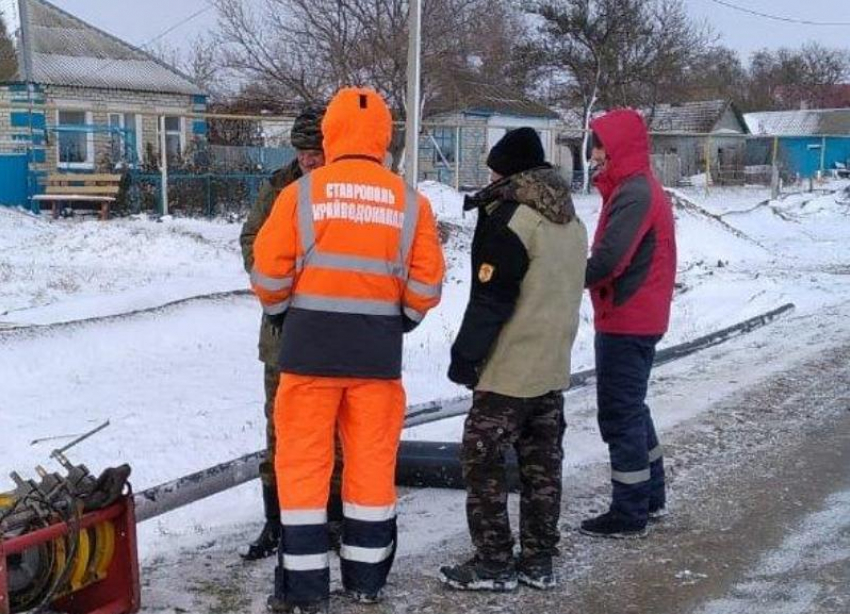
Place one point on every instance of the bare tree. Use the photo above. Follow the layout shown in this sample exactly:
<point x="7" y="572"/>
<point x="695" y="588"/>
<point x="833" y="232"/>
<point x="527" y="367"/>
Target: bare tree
<point x="583" y="37"/>
<point x="8" y="56"/>
<point x="809" y="75"/>
<point x="304" y="50"/>
<point x="762" y="81"/>
<point x="717" y="74"/>
<point x="795" y="78"/>
<point x="671" y="47"/>
<point x="501" y="49"/>
<point x="617" y="52"/>
<point x="203" y="64"/>
<point x="200" y="61"/>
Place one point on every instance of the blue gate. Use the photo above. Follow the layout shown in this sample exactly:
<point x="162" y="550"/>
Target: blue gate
<point x="13" y="180"/>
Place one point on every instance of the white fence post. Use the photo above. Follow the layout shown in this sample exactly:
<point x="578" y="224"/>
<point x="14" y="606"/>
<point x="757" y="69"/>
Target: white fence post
<point x="457" y="157"/>
<point x="163" y="164"/>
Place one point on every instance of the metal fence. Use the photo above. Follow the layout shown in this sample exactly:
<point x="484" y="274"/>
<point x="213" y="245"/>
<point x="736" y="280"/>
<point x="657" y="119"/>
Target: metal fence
<point x="204" y="164"/>
<point x="210" y="180"/>
<point x="190" y="194"/>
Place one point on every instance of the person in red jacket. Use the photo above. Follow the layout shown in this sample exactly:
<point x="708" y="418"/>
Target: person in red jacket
<point x="631" y="275"/>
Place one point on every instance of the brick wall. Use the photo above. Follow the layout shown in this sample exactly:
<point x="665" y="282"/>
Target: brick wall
<point x="100" y="103"/>
<point x="5" y="120"/>
<point x="473" y="151"/>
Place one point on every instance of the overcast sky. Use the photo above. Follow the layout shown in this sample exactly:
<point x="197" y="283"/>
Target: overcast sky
<point x="138" y="22"/>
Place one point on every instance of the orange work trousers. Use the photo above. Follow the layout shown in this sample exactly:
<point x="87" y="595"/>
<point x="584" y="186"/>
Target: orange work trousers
<point x="370" y="416"/>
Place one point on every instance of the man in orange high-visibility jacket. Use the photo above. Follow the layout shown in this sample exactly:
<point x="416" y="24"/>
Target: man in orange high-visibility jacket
<point x="351" y="257"/>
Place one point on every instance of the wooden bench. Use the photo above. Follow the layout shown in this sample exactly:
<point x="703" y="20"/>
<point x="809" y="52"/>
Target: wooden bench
<point x="73" y="189"/>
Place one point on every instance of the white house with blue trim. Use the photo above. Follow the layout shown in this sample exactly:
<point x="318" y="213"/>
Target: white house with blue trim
<point x="467" y="119"/>
<point x="75" y="98"/>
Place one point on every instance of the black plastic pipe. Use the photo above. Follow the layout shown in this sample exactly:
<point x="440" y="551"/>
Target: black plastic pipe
<point x="421" y="464"/>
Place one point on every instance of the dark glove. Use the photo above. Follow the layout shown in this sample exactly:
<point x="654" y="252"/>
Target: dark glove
<point x="108" y="488"/>
<point x="470" y="202"/>
<point x="408" y="324"/>
<point x="276" y="323"/>
<point x="484" y="197"/>
<point x="463" y="372"/>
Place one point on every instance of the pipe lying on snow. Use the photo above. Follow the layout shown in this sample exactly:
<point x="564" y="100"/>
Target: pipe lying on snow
<point x="427" y="413"/>
<point x="421" y="464"/>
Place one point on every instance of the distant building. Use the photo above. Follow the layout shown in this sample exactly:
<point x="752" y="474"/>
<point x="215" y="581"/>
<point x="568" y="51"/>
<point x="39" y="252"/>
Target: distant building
<point x="683" y="137"/>
<point x="809" y="140"/>
<point x="811" y="122"/>
<point x="96" y="100"/>
<point x="468" y="121"/>
<point x="694" y="131"/>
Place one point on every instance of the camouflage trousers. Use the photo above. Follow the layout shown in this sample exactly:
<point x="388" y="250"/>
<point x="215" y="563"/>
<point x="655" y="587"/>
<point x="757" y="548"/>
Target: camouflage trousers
<point x="535" y="429"/>
<point x="267" y="472"/>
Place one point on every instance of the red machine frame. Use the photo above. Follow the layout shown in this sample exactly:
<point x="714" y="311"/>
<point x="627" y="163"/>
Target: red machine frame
<point x="118" y="593"/>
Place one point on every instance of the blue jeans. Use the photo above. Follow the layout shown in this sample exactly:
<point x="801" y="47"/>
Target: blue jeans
<point x="623" y="366"/>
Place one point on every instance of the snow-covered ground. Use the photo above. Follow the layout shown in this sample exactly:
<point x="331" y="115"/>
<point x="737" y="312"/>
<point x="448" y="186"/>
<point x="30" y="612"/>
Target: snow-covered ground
<point x="182" y="386"/>
<point x="789" y="579"/>
<point x="58" y="271"/>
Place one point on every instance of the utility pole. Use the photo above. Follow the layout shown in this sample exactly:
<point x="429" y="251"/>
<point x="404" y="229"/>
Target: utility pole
<point x="414" y="70"/>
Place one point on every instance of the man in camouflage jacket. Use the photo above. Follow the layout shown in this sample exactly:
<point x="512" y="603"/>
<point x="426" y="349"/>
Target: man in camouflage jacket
<point x="513" y="349"/>
<point x="306" y="138"/>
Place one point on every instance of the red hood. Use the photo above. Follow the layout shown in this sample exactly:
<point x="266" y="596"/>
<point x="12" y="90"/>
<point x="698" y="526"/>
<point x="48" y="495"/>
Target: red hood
<point x="625" y="138"/>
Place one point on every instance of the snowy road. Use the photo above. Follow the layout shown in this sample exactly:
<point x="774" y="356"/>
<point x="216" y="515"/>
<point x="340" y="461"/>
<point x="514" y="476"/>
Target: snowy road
<point x="183" y="390"/>
<point x="809" y="573"/>
<point x="758" y="440"/>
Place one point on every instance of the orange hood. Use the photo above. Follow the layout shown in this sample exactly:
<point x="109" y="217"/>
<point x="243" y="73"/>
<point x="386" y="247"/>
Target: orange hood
<point x="357" y="123"/>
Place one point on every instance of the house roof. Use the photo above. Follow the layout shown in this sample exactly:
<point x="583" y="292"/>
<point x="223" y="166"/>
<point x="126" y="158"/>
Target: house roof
<point x="471" y="95"/>
<point x="60" y="49"/>
<point x="691" y="117"/>
<point x="686" y="118"/>
<point x="814" y="122"/>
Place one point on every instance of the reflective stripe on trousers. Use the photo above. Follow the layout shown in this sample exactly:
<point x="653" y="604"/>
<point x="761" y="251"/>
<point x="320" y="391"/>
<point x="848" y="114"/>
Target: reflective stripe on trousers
<point x="643" y="475"/>
<point x="369" y="415"/>
<point x="368" y="546"/>
<point x="303" y="556"/>
<point x="623" y="365"/>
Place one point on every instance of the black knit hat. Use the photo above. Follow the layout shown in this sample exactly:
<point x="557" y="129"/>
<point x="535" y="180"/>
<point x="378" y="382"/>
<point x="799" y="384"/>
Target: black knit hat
<point x="307" y="130"/>
<point x="519" y="150"/>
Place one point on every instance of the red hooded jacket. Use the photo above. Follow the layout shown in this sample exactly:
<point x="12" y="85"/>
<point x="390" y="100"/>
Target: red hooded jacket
<point x="632" y="268"/>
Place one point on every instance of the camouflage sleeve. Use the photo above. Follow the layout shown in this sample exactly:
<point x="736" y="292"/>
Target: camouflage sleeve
<point x="256" y="218"/>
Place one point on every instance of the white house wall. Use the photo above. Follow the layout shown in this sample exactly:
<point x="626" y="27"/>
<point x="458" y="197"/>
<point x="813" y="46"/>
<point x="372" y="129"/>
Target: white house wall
<point x="729" y="122"/>
<point x="498" y="125"/>
<point x="103" y="102"/>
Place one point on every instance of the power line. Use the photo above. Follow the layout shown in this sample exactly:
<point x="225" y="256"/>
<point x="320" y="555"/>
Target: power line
<point x="180" y="23"/>
<point x="794" y="20"/>
<point x="161" y="35"/>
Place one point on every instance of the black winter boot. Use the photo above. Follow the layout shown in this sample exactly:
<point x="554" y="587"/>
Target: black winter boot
<point x="269" y="539"/>
<point x="476" y="575"/>
<point x="613" y="525"/>
<point x="276" y="605"/>
<point x="537" y="572"/>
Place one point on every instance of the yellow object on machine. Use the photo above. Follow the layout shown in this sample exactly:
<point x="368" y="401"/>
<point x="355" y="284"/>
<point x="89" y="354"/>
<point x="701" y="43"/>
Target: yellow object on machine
<point x="58" y="535"/>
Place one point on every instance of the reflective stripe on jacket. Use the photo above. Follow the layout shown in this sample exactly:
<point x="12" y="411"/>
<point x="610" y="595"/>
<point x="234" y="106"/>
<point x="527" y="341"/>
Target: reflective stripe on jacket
<point x="351" y="254"/>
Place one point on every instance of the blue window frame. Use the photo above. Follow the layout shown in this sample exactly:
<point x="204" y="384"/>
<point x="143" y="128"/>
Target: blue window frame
<point x="445" y="139"/>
